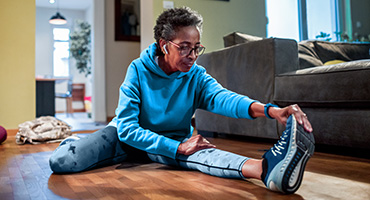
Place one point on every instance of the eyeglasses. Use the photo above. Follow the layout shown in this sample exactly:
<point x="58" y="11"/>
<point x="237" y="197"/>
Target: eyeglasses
<point x="186" y="50"/>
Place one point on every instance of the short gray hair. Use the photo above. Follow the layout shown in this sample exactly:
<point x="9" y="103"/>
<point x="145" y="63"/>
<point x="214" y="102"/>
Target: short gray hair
<point x="172" y="19"/>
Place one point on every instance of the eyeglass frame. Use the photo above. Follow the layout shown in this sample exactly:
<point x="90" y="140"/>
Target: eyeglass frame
<point x="192" y="49"/>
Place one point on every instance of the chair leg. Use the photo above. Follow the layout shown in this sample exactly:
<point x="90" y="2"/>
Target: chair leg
<point x="69" y="106"/>
<point x="84" y="107"/>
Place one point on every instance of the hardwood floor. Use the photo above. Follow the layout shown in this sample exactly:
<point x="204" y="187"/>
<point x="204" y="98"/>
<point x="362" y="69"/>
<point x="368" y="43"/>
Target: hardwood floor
<point x="25" y="174"/>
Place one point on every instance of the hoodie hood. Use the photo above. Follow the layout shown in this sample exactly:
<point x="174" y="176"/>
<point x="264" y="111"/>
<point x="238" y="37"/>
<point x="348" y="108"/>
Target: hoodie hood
<point x="147" y="57"/>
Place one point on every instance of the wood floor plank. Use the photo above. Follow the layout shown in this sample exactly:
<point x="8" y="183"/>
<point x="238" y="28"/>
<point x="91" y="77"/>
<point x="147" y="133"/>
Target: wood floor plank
<point x="5" y="185"/>
<point x="19" y="188"/>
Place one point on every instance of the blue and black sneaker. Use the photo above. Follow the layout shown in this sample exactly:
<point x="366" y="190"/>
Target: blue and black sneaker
<point x="284" y="164"/>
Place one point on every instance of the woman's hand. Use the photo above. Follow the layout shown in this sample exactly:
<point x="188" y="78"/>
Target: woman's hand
<point x="282" y="115"/>
<point x="194" y="144"/>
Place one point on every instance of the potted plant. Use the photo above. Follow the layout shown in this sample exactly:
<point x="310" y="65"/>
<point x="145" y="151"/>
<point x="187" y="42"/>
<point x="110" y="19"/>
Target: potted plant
<point x="80" y="46"/>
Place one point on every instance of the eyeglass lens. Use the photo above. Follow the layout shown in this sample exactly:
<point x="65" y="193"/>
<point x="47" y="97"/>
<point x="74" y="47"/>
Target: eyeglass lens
<point x="184" y="51"/>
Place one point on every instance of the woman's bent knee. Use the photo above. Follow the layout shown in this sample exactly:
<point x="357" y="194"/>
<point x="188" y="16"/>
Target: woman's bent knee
<point x="58" y="165"/>
<point x="95" y="150"/>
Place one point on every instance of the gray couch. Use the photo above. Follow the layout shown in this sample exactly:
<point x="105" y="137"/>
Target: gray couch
<point x="335" y="97"/>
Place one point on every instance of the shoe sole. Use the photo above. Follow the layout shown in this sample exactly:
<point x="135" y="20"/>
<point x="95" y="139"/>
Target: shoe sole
<point x="293" y="175"/>
<point x="290" y="170"/>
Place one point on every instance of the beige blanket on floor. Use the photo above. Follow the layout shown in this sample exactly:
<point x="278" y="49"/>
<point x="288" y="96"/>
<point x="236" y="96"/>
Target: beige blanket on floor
<point x="42" y="130"/>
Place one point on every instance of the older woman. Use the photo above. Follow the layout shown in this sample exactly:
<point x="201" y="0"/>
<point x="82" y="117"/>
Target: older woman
<point x="158" y="98"/>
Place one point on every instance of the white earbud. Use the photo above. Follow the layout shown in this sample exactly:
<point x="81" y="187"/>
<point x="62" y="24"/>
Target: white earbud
<point x="164" y="48"/>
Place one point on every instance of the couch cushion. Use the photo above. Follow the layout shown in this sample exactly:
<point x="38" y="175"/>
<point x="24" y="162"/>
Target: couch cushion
<point x="315" y="53"/>
<point x="341" y="85"/>
<point x="307" y="55"/>
<point x="238" y="38"/>
<point x="306" y="61"/>
<point x="342" y="51"/>
<point x="307" y="48"/>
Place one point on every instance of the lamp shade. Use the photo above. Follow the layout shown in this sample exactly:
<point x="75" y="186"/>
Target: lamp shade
<point x="57" y="19"/>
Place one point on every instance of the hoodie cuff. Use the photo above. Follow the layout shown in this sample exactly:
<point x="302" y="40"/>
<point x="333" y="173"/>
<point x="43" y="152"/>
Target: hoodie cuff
<point x="169" y="147"/>
<point x="244" y="106"/>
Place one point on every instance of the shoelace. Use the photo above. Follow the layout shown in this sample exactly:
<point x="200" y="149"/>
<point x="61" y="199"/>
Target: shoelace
<point x="279" y="145"/>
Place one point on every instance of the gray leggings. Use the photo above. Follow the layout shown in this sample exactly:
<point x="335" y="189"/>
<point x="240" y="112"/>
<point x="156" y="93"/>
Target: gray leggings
<point x="103" y="148"/>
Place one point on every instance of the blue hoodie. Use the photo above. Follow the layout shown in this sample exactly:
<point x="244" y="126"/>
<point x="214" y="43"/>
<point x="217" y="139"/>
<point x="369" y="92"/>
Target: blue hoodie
<point x="155" y="109"/>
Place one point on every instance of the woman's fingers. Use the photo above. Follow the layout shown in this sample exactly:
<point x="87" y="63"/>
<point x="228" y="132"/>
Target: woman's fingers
<point x="301" y="117"/>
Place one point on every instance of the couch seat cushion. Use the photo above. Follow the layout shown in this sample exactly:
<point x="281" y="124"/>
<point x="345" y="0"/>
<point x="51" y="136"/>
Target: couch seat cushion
<point x="341" y="85"/>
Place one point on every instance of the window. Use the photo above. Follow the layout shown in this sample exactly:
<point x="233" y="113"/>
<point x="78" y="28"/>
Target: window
<point x="321" y="17"/>
<point x="282" y="19"/>
<point x="302" y="19"/>
<point x="61" y="52"/>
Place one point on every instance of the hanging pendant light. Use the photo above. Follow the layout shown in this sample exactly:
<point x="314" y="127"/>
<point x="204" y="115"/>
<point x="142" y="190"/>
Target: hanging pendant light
<point x="57" y="19"/>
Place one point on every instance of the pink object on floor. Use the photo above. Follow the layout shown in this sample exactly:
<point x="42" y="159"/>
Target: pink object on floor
<point x="3" y="134"/>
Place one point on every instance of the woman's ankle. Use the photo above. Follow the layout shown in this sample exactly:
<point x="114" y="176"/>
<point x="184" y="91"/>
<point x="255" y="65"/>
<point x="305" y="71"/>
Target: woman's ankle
<point x="252" y="168"/>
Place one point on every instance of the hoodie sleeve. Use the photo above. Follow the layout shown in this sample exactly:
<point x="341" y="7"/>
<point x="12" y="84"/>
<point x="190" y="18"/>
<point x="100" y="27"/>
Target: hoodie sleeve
<point x="128" y="127"/>
<point x="219" y="100"/>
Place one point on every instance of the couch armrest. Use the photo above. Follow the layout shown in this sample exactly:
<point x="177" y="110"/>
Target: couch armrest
<point x="248" y="69"/>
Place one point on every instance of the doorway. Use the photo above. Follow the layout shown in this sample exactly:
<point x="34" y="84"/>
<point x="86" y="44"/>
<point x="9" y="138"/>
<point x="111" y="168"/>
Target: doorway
<point x="91" y="11"/>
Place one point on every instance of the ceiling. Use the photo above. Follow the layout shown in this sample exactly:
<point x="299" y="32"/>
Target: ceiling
<point x="65" y="4"/>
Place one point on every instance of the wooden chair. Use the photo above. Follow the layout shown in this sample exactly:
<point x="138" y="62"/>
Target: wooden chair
<point x="67" y="96"/>
<point x="78" y="94"/>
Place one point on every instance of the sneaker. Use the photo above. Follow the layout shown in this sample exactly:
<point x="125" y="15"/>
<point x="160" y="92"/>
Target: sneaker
<point x="284" y="164"/>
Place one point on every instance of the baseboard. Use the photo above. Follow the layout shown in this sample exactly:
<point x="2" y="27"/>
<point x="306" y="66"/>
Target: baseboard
<point x="79" y="110"/>
<point x="11" y="132"/>
<point x="74" y="110"/>
<point x="344" y="151"/>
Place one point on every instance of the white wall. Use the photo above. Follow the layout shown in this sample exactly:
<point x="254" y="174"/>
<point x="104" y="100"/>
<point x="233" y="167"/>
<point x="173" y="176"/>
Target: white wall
<point x="99" y="106"/>
<point x="89" y="16"/>
<point x="147" y="23"/>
